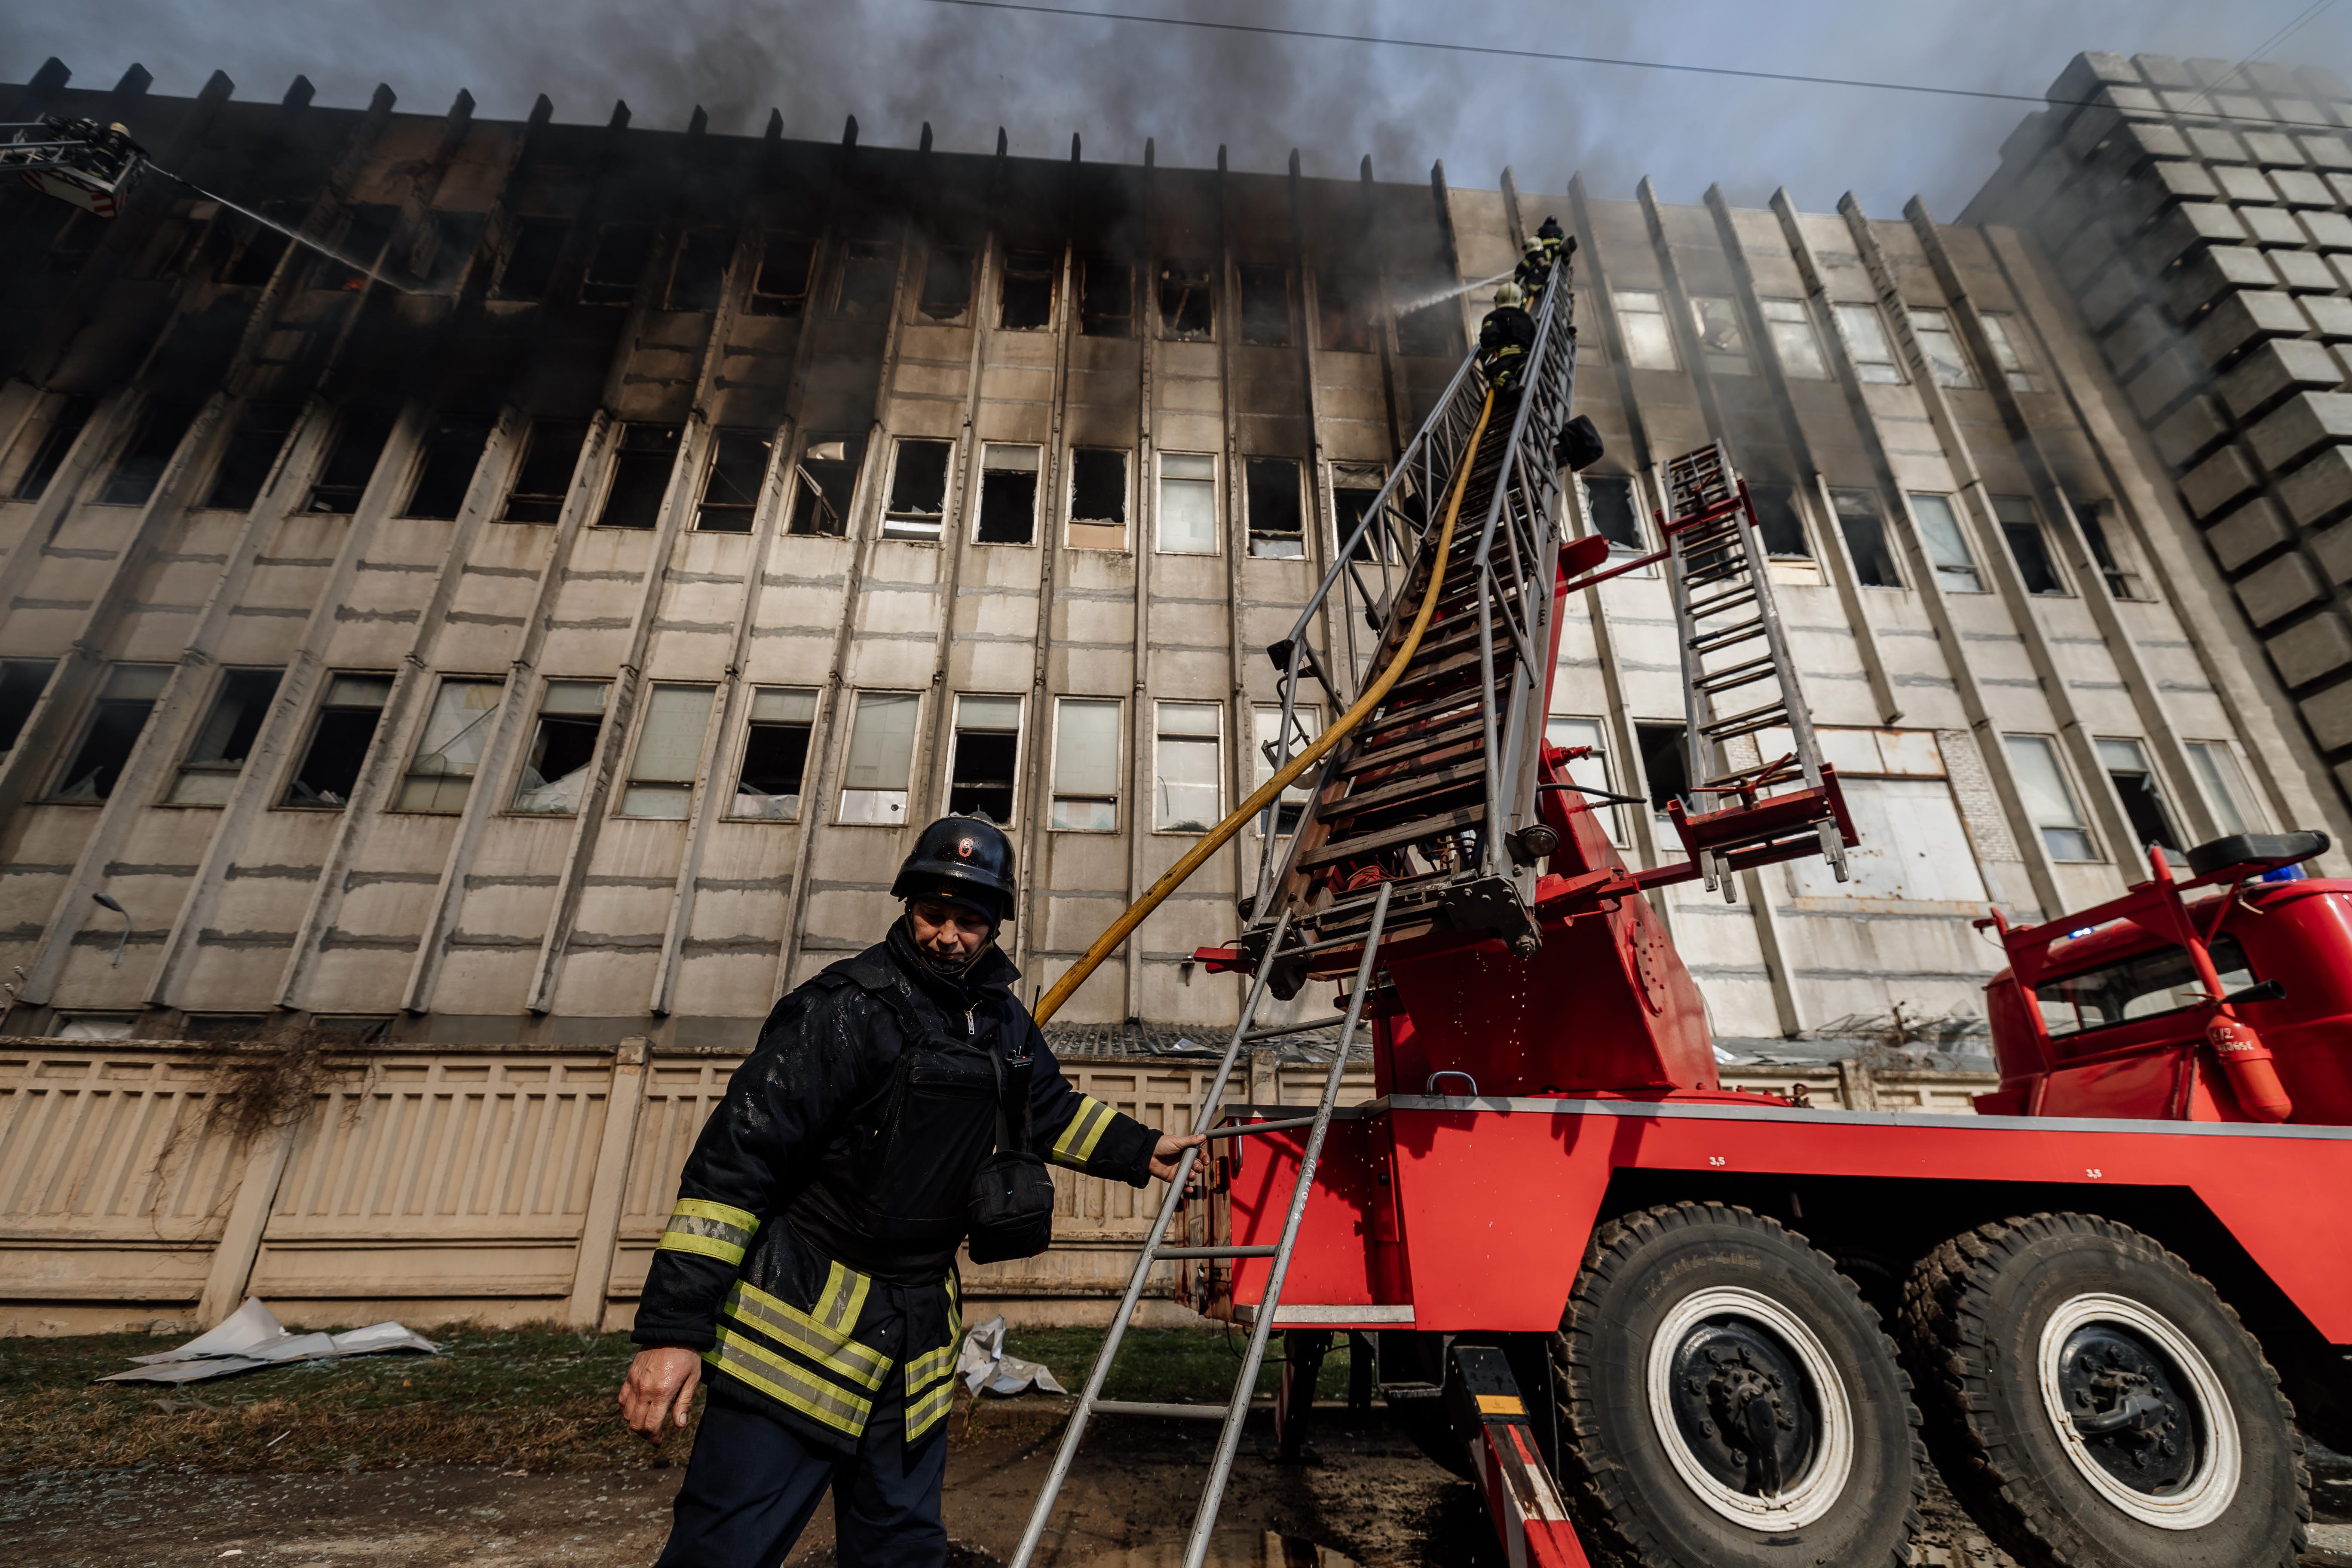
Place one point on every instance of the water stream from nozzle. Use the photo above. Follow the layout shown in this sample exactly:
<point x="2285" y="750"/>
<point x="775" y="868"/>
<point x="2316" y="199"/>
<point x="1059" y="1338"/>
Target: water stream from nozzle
<point x="297" y="237"/>
<point x="1423" y="302"/>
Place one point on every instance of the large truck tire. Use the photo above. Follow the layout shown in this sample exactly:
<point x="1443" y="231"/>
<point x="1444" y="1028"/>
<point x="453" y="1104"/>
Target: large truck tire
<point x="1727" y="1400"/>
<point x="2094" y="1403"/>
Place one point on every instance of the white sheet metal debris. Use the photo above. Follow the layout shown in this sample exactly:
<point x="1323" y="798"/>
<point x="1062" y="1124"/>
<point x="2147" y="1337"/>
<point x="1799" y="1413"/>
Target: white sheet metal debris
<point x="252" y="1336"/>
<point x="985" y="1368"/>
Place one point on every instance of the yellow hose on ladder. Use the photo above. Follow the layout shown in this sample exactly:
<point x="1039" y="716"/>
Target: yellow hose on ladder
<point x="1195" y="857"/>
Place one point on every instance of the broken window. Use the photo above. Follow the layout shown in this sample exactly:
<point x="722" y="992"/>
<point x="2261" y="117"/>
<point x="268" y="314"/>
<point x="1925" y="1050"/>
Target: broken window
<point x="617" y="264"/>
<point x="340" y="738"/>
<point x="252" y="455"/>
<point x="881" y="758"/>
<point x="1185" y="308"/>
<point x="919" y="490"/>
<point x="1353" y="490"/>
<point x="731" y="491"/>
<point x="116" y="718"/>
<point x="452" y="452"/>
<point x="669" y="752"/>
<point x="549" y="453"/>
<point x="1097" y="499"/>
<point x="1941" y="348"/>
<point x="47" y="439"/>
<point x="2028" y="545"/>
<point x="641" y="470"/>
<point x="869" y="273"/>
<point x="1720" y="337"/>
<point x="776" y="753"/>
<point x="2002" y="339"/>
<point x="264" y="249"/>
<point x="1106" y="297"/>
<point x="139" y="469"/>
<point x="1025" y="299"/>
<point x="209" y="775"/>
<point x="21" y="682"/>
<point x="947" y="284"/>
<point x="359" y="442"/>
<point x="93" y="1027"/>
<point x="1591" y="771"/>
<point x="1615" y="510"/>
<point x="1790" y="324"/>
<point x="1649" y="338"/>
<point x="1779" y="522"/>
<point x="828" y="483"/>
<point x="530" y="262"/>
<point x="1269" y="751"/>
<point x="1008" y="495"/>
<point x="450" y="750"/>
<point x="1086" y="764"/>
<point x="2121" y="581"/>
<point x="1188" y="503"/>
<point x="698" y="276"/>
<point x="1864" y="525"/>
<point x="781" y="286"/>
<point x="1276" y="531"/>
<point x="985" y="762"/>
<point x="2143" y="799"/>
<point x="1866" y="344"/>
<point x="2049" y="803"/>
<point x="1666" y="763"/>
<point x="1265" y="306"/>
<point x="1344" y="325"/>
<point x="1947" y="545"/>
<point x="456" y="236"/>
<point x="1188" y="795"/>
<point x="562" y="749"/>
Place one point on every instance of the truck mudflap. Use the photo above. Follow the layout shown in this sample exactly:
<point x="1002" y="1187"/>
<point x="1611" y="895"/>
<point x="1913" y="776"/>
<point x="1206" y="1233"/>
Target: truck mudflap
<point x="1522" y="1501"/>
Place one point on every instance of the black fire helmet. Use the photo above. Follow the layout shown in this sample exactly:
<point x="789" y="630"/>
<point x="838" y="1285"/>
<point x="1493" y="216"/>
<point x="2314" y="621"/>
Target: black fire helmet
<point x="965" y="857"/>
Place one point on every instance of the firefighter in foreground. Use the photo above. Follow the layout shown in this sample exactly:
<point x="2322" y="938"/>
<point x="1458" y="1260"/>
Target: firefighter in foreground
<point x="810" y="1263"/>
<point x="1505" y="338"/>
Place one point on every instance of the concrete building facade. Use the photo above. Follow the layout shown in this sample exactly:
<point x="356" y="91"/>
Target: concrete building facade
<point x="543" y="623"/>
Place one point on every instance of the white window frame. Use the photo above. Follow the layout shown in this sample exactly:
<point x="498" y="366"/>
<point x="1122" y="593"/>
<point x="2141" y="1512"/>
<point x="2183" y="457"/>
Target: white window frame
<point x="910" y="527"/>
<point x="680" y="789"/>
<point x="1036" y="492"/>
<point x="2068" y="789"/>
<point x="2008" y="355"/>
<point x="1054" y="794"/>
<point x="1883" y="368"/>
<point x="1070" y="519"/>
<point x="2243" y="802"/>
<point x="1796" y="316"/>
<point x="1934" y="321"/>
<point x="743" y="744"/>
<point x="1306" y="717"/>
<point x="905" y="791"/>
<point x="1216" y="502"/>
<point x="416" y="747"/>
<point x="1159" y="707"/>
<point x="1620" y="298"/>
<point x="1020" y="745"/>
<point x="540" y="715"/>
<point x="1609" y="814"/>
<point x="1961" y="577"/>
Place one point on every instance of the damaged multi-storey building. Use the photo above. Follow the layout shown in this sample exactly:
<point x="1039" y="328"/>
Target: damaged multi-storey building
<point x="542" y="618"/>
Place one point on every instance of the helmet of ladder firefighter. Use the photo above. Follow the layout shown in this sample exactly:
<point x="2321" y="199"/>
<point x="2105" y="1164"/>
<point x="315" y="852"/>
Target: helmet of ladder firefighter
<point x="1533" y="252"/>
<point x="964" y="858"/>
<point x="1509" y="294"/>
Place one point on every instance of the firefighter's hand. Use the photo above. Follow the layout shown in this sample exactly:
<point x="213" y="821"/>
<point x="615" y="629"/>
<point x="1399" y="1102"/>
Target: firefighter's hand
<point x="661" y="1383"/>
<point x="1171" y="1149"/>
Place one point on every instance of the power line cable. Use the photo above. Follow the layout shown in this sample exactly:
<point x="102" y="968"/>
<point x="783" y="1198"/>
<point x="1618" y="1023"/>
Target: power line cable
<point x="2267" y="45"/>
<point x="1559" y="58"/>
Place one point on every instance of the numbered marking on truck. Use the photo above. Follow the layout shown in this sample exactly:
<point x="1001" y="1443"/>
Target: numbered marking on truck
<point x="2091" y="1171"/>
<point x="1714" y="1159"/>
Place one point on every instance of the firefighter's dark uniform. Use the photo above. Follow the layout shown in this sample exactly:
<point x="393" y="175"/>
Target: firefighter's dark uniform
<point x="1504" y="339"/>
<point x="811" y="1258"/>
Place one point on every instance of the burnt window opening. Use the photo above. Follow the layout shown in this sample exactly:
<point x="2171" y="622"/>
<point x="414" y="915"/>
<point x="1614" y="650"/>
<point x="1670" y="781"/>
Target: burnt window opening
<point x="549" y="453"/>
<point x="208" y="776"/>
<point x="531" y="260"/>
<point x="1344" y="324"/>
<point x="1008" y="496"/>
<point x="986" y="759"/>
<point x="2028" y="546"/>
<point x="21" y="682"/>
<point x="1349" y="502"/>
<point x="641" y="470"/>
<point x="223" y="1029"/>
<point x="1097" y="499"/>
<point x="1863" y="521"/>
<point x="50" y="440"/>
<point x="1779" y="524"/>
<point x="827" y="485"/>
<point x="918" y="491"/>
<point x="2121" y="581"/>
<point x="111" y="733"/>
<point x="349" y="717"/>
<point x="868" y="274"/>
<point x="456" y="236"/>
<point x="1435" y="330"/>
<point x="161" y="424"/>
<point x="775" y="754"/>
<point x="781" y="286"/>
<point x="1106" y="297"/>
<point x="699" y="274"/>
<point x="257" y="260"/>
<point x="1666" y="763"/>
<point x="1186" y="310"/>
<point x="1265" y="306"/>
<point x="2143" y="799"/>
<point x="947" y="284"/>
<point x="359" y="442"/>
<point x="252" y="455"/>
<point x="359" y="247"/>
<point x="1616" y="513"/>
<point x="1277" y="530"/>
<point x="731" y="491"/>
<point x="563" y="750"/>
<point x="1025" y="301"/>
<point x="617" y="264"/>
<point x="452" y="452"/>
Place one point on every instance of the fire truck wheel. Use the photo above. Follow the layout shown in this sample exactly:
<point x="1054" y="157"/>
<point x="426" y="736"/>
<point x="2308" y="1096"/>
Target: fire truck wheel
<point x="2094" y="1403"/>
<point x="1727" y="1400"/>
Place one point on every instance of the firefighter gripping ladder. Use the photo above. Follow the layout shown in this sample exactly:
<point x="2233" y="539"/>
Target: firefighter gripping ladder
<point x="1739" y="685"/>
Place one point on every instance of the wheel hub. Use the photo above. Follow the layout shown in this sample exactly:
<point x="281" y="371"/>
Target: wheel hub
<point x="1739" y="1396"/>
<point x="2140" y="1411"/>
<point x="2125" y="1401"/>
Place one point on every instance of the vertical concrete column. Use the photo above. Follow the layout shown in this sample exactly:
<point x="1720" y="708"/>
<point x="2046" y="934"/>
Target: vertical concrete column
<point x="248" y="1220"/>
<point x="1147" y="556"/>
<point x="599" y="1230"/>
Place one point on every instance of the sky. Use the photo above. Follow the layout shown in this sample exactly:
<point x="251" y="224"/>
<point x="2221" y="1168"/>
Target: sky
<point x="896" y="64"/>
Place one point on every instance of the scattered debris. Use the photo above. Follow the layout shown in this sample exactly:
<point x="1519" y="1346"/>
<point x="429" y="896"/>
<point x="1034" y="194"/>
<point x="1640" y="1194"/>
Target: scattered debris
<point x="985" y="1368"/>
<point x="252" y="1337"/>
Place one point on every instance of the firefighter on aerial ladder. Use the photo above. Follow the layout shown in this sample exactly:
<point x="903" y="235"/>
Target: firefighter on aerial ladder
<point x="883" y="1119"/>
<point x="1505" y="339"/>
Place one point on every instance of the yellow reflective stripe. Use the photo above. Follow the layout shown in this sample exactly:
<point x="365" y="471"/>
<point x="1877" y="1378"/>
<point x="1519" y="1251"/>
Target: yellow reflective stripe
<point x="1076" y="1143"/>
<point x="843" y="1298"/>
<point x="708" y="1246"/>
<point x="924" y="1414"/>
<point x="927" y="1368"/>
<point x="743" y="1220"/>
<point x="711" y="1229"/>
<point x="782" y="1321"/>
<point x="771" y="1374"/>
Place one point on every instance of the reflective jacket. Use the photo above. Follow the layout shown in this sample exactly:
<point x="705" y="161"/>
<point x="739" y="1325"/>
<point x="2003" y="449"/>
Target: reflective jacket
<point x="813" y="1248"/>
